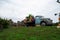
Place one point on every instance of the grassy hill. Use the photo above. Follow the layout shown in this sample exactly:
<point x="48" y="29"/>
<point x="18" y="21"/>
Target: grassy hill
<point x="31" y="33"/>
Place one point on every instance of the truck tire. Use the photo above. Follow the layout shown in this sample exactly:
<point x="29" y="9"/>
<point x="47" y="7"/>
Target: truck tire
<point x="43" y="24"/>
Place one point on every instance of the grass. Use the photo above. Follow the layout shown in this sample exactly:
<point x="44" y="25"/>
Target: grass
<point x="31" y="33"/>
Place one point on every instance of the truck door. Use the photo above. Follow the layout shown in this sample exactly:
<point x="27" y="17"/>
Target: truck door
<point x="37" y="20"/>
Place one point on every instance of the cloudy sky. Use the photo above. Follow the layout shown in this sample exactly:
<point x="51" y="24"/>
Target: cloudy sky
<point x="19" y="9"/>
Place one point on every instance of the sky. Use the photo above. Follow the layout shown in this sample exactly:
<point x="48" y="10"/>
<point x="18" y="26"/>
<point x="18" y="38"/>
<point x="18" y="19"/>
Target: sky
<point x="17" y="10"/>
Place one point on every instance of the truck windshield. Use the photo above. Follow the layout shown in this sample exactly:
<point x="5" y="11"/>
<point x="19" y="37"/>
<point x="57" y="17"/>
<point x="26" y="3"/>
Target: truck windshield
<point x="39" y="16"/>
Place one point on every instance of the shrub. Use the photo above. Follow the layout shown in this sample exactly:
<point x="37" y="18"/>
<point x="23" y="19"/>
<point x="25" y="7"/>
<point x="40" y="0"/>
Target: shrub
<point x="55" y="24"/>
<point x="4" y="23"/>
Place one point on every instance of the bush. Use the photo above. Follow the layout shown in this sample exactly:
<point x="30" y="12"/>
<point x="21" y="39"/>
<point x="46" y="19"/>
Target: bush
<point x="4" y="23"/>
<point x="55" y="24"/>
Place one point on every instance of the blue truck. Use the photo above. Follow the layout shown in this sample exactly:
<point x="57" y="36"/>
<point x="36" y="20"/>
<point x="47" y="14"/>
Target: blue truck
<point x="39" y="20"/>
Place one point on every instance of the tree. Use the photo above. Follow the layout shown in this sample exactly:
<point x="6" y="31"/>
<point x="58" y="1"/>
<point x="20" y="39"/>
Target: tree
<point x="4" y="23"/>
<point x="11" y="22"/>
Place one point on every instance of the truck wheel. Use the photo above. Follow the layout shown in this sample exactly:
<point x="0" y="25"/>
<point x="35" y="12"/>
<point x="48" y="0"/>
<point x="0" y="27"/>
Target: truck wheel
<point x="43" y="24"/>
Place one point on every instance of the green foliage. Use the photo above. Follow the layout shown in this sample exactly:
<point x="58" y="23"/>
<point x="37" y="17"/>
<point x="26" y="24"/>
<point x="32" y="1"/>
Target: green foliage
<point x="4" y="23"/>
<point x="1" y="21"/>
<point x="55" y="24"/>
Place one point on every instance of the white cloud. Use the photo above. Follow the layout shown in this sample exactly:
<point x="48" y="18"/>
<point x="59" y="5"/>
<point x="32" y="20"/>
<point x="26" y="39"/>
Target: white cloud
<point x="18" y="9"/>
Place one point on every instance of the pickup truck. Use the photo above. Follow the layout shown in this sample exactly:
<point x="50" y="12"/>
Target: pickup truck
<point x="40" y="20"/>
